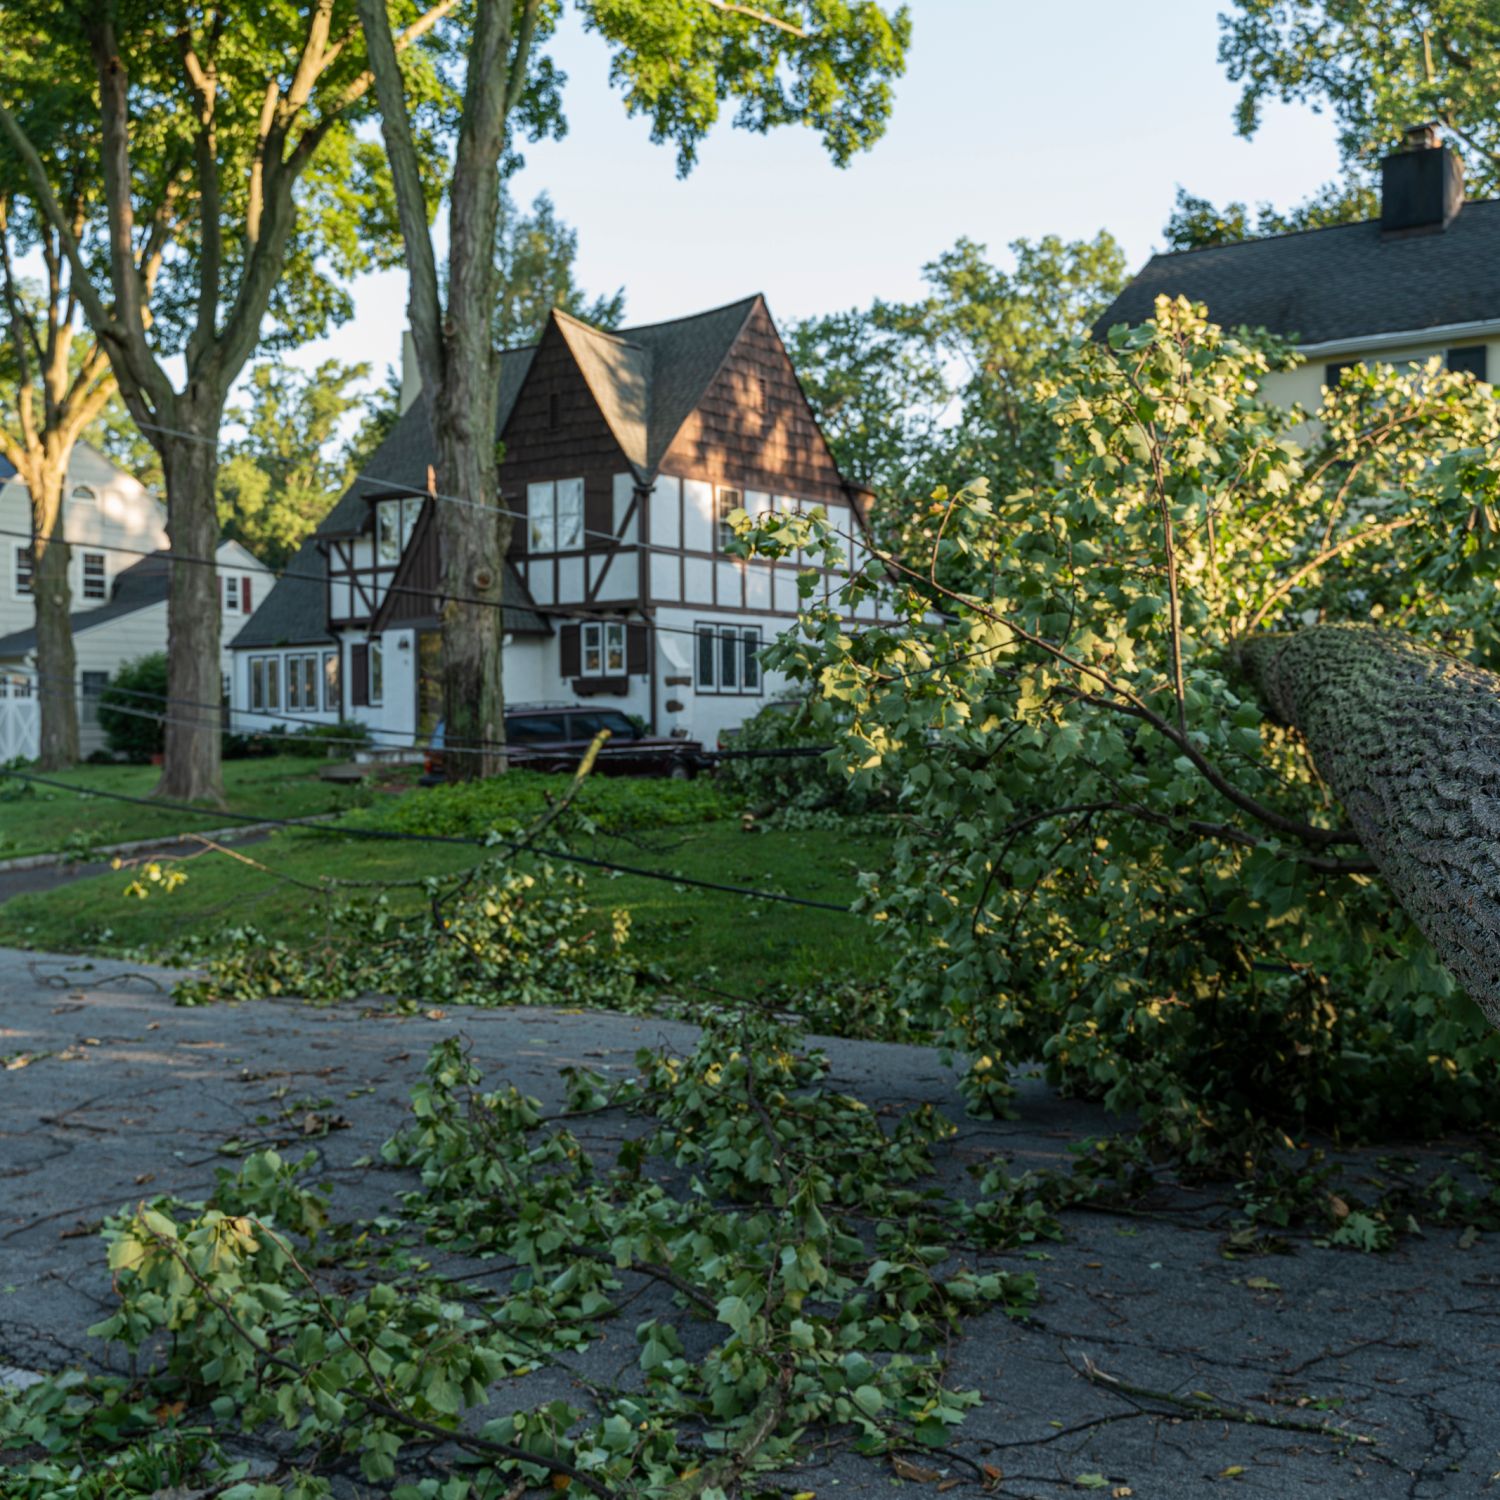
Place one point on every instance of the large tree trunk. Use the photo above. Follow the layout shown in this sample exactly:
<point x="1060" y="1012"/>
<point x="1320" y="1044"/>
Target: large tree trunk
<point x="52" y="595"/>
<point x="191" y="765"/>
<point x="1409" y="740"/>
<point x="472" y="542"/>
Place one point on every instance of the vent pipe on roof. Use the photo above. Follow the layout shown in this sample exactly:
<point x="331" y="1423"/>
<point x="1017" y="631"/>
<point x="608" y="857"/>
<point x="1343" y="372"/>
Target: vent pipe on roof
<point x="1421" y="185"/>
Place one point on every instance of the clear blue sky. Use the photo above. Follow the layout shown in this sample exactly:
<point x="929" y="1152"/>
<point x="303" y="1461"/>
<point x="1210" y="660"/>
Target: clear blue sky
<point x="1014" y="119"/>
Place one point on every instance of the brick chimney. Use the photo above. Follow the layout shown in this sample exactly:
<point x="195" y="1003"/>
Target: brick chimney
<point x="1421" y="185"/>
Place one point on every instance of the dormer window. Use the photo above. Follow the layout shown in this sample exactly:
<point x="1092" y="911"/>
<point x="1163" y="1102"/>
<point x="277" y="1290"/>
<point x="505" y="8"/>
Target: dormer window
<point x="395" y="520"/>
<point x="84" y="495"/>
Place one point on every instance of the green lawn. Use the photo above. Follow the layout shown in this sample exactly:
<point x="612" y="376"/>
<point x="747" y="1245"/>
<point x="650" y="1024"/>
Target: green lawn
<point x="43" y="820"/>
<point x="689" y="933"/>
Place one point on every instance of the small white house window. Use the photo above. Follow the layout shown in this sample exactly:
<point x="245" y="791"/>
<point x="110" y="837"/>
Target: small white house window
<point x="84" y="494"/>
<point x="95" y="579"/>
<point x="265" y="682"/>
<point x="603" y="649"/>
<point x="727" y="659"/>
<point x="395" y="520"/>
<point x="554" y="516"/>
<point x="23" y="571"/>
<point x="231" y="586"/>
<point x="725" y="501"/>
<point x="331" y="702"/>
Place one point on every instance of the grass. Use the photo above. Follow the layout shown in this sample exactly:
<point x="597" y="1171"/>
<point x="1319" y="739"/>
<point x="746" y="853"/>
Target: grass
<point x="44" y="820"/>
<point x="740" y="944"/>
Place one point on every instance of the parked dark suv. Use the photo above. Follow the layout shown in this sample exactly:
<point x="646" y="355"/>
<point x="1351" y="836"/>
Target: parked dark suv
<point x="553" y="738"/>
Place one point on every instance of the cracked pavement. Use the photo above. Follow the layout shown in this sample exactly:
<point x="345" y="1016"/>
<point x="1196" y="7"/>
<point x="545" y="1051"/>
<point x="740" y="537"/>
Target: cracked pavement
<point x="129" y="1096"/>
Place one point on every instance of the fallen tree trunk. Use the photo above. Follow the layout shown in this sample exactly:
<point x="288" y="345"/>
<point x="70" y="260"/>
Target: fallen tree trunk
<point x="1409" y="740"/>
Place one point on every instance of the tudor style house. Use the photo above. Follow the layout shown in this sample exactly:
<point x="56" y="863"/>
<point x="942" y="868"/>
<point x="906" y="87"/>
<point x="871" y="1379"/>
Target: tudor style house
<point x="117" y="533"/>
<point x="1421" y="281"/>
<point x="624" y="452"/>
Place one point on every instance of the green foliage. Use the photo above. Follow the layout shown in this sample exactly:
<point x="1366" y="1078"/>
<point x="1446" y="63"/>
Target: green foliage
<point x="774" y="784"/>
<point x="136" y="693"/>
<point x="1136" y="884"/>
<point x="887" y="382"/>
<point x="505" y="936"/>
<point x="279" y="479"/>
<point x="1378" y="66"/>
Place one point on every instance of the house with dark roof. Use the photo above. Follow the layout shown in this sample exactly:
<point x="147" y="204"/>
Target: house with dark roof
<point x="1420" y="282"/>
<point x="624" y="452"/>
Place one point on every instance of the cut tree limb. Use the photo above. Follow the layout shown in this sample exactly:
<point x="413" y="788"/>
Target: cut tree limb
<point x="1408" y="738"/>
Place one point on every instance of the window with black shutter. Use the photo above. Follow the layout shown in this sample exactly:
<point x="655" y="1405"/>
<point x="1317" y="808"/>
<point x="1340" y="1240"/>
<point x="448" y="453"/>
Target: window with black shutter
<point x="1473" y="360"/>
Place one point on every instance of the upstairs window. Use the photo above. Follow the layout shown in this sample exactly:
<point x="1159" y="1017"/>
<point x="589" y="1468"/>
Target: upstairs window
<point x="725" y="501"/>
<point x="231" y="595"/>
<point x="95" y="580"/>
<point x="84" y="495"/>
<point x="23" y="571"/>
<point x="395" y="520"/>
<point x="554" y="516"/>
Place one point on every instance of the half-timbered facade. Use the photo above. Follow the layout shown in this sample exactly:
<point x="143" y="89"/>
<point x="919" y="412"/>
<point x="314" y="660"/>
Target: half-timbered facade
<point x="624" y="453"/>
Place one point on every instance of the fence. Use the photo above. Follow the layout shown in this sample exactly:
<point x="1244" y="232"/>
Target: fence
<point x="20" y="718"/>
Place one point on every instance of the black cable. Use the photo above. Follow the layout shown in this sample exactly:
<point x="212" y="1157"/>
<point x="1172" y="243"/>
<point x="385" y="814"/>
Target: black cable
<point x="392" y="835"/>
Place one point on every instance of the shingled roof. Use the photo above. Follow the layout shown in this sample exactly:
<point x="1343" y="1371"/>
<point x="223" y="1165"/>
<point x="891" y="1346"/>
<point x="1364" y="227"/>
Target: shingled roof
<point x="141" y="584"/>
<point x="1324" y="286"/>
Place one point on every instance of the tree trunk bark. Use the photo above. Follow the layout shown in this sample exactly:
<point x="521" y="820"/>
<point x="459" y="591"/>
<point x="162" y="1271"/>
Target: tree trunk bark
<point x="472" y="542"/>
<point x="1409" y="740"/>
<point x="194" y="724"/>
<point x="52" y="595"/>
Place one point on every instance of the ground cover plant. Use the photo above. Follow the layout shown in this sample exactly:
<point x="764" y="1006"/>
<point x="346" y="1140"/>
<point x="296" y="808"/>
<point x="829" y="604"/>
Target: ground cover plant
<point x="38" y="819"/>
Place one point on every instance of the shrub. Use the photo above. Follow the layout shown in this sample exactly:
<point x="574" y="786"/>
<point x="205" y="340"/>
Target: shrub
<point x="129" y="705"/>
<point x="802" y="781"/>
<point x="508" y="804"/>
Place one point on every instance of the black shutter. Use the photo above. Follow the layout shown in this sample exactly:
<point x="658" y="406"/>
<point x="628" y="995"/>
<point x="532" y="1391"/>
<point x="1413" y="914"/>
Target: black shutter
<point x="570" y="650"/>
<point x="635" y="650"/>
<point x="359" y="676"/>
<point x="1472" y="360"/>
<point x="1333" y="375"/>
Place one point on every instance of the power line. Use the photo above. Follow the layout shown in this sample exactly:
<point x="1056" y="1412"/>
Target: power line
<point x="396" y="836"/>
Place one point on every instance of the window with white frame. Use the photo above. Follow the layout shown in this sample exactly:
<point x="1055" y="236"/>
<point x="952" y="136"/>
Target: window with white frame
<point x="265" y="683"/>
<point x="377" y="674"/>
<point x="395" y="520"/>
<point x="727" y="659"/>
<point x="23" y="571"/>
<point x="554" y="516"/>
<point x="302" y="682"/>
<point x="95" y="578"/>
<point x="725" y="501"/>
<point x="602" y="647"/>
<point x="231" y="594"/>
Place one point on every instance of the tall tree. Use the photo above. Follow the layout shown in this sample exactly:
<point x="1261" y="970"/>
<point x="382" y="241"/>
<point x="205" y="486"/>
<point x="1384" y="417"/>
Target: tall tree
<point x="54" y="380"/>
<point x="1379" y="66"/>
<point x="232" y="139"/>
<point x="283" y="475"/>
<point x="785" y="61"/>
<point x="54" y="384"/>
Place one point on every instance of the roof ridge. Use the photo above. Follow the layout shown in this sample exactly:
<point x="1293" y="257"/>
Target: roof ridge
<point x="614" y="334"/>
<point x="707" y="312"/>
<point x="1292" y="234"/>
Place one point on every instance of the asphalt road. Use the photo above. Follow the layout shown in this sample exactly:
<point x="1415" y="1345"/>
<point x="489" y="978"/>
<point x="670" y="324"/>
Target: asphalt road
<point x="128" y="1095"/>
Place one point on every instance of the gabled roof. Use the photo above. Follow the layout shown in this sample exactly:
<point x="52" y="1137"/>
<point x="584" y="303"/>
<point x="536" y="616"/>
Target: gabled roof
<point x="139" y="586"/>
<point x="295" y="611"/>
<point x="1323" y="286"/>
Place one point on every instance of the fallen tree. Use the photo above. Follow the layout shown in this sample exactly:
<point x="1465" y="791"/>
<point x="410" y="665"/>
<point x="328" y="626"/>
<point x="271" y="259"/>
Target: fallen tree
<point x="1114" y="861"/>
<point x="1408" y="739"/>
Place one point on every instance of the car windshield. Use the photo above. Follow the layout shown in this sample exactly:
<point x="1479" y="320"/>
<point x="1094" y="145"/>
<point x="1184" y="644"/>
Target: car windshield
<point x="528" y="728"/>
<point x="586" y="726"/>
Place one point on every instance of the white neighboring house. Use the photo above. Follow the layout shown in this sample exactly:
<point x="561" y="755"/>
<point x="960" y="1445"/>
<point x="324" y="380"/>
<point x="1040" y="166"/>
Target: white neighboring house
<point x="120" y="576"/>
<point x="1420" y="282"/>
<point x="624" y="452"/>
